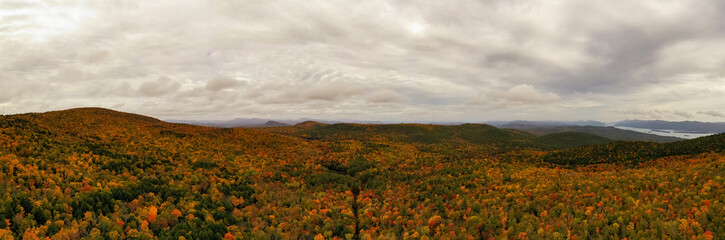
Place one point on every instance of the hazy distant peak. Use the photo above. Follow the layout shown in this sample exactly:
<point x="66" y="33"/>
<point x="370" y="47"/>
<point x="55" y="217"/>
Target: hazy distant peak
<point x="533" y="124"/>
<point x="275" y="124"/>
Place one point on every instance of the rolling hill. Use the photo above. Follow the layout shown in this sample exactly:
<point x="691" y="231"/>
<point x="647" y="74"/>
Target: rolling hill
<point x="563" y="140"/>
<point x="420" y="133"/>
<point x="478" y="134"/>
<point x="636" y="152"/>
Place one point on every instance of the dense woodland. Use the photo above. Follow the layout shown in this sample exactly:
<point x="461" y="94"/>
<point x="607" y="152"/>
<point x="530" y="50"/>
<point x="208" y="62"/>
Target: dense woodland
<point x="99" y="174"/>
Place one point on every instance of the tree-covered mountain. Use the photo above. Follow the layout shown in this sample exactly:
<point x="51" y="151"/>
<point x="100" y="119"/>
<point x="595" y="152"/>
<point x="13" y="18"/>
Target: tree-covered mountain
<point x="636" y="152"/>
<point x="476" y="134"/>
<point x="94" y="173"/>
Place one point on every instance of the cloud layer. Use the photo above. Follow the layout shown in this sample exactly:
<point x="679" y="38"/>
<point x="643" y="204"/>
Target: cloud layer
<point x="374" y="60"/>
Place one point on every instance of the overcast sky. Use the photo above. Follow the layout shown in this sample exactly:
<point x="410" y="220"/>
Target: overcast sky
<point x="460" y="60"/>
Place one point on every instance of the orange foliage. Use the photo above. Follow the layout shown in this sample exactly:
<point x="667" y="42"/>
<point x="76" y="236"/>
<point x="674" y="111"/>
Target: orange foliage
<point x="152" y="214"/>
<point x="228" y="236"/>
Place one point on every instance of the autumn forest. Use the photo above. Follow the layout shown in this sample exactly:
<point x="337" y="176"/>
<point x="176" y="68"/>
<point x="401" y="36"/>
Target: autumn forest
<point x="92" y="173"/>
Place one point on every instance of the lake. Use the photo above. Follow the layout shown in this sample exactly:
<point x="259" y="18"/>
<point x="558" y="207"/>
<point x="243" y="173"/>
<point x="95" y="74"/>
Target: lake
<point x="666" y="132"/>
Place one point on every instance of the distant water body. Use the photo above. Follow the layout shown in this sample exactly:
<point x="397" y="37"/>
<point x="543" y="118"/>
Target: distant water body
<point x="666" y="132"/>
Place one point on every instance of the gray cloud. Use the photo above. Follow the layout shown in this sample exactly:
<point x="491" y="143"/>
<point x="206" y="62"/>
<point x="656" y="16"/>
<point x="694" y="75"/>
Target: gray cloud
<point x="525" y="93"/>
<point x="656" y="114"/>
<point x="519" y="95"/>
<point x="386" y="96"/>
<point x="162" y="86"/>
<point x="4" y="98"/>
<point x="712" y="113"/>
<point x="515" y="59"/>
<point x="332" y="91"/>
<point x="223" y="82"/>
<point x="11" y="4"/>
<point x="682" y="114"/>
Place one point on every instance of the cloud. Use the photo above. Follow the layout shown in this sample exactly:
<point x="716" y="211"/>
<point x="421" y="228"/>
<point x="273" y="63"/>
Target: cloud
<point x="521" y="58"/>
<point x="653" y="114"/>
<point x="286" y="97"/>
<point x="162" y="86"/>
<point x="656" y="114"/>
<point x="519" y="95"/>
<point x="682" y="114"/>
<point x="4" y="98"/>
<point x="13" y="4"/>
<point x="712" y="113"/>
<point x="332" y="91"/>
<point x="525" y="93"/>
<point x="385" y="96"/>
<point x="222" y="82"/>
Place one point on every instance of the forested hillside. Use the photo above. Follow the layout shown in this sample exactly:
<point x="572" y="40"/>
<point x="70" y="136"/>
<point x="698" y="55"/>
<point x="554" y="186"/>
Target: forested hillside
<point x="100" y="174"/>
<point x="465" y="134"/>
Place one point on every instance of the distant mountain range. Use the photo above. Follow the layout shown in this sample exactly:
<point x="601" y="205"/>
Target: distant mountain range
<point x="267" y="122"/>
<point x="685" y="126"/>
<point x="540" y="128"/>
<point x="243" y="122"/>
<point x="537" y="124"/>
